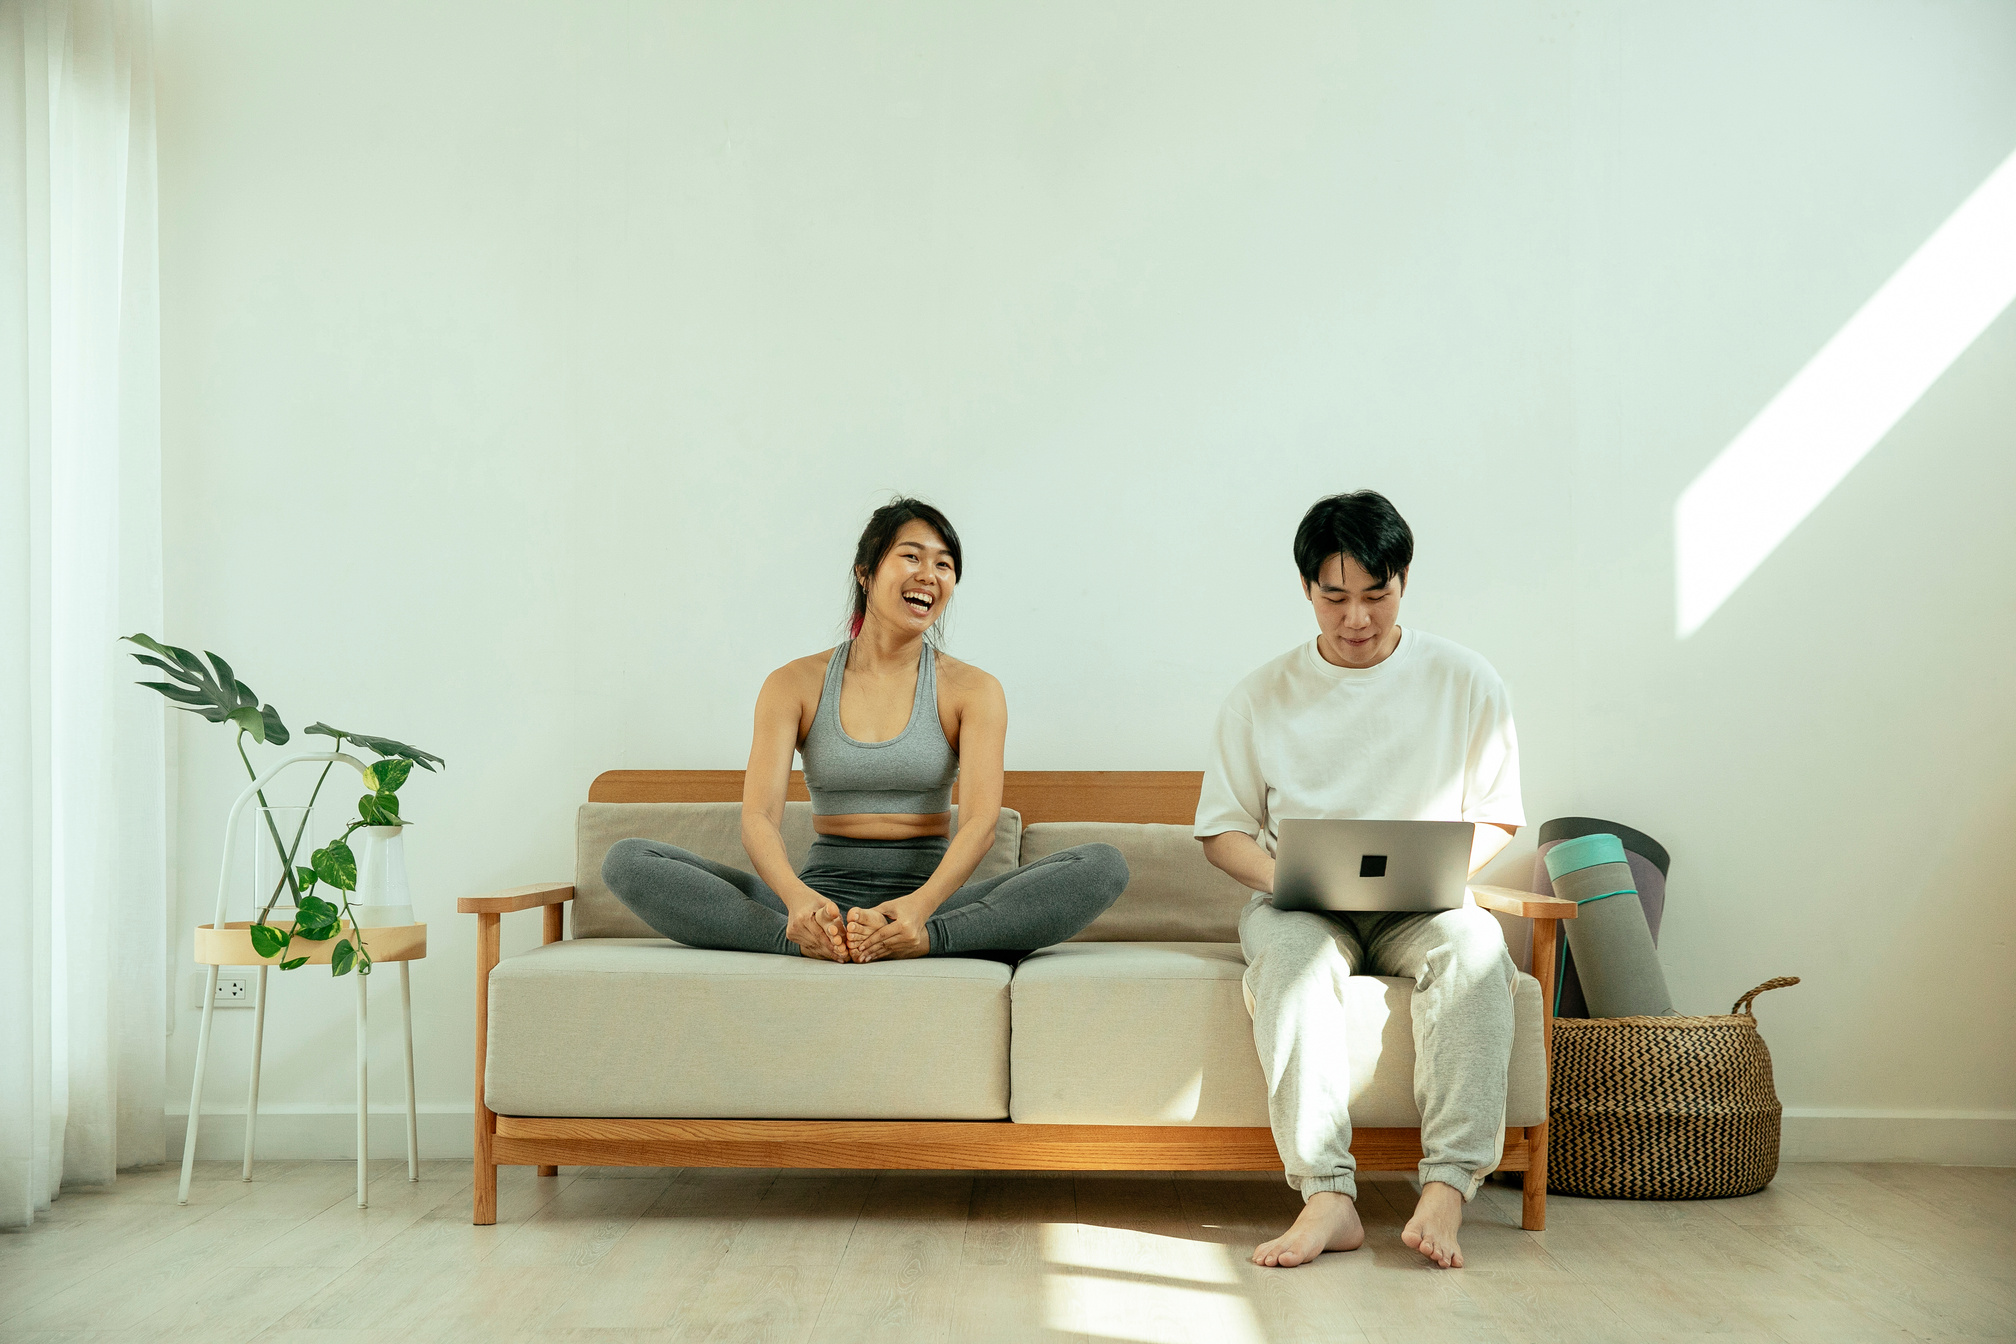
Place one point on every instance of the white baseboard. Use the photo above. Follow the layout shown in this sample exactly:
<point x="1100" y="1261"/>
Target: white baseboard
<point x="1944" y="1138"/>
<point x="1812" y="1134"/>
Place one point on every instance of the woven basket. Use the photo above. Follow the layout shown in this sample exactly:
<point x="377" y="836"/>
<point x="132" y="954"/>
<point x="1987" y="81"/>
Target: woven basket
<point x="1663" y="1107"/>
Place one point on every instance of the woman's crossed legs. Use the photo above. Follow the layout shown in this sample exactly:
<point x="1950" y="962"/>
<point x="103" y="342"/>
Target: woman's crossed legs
<point x="702" y="903"/>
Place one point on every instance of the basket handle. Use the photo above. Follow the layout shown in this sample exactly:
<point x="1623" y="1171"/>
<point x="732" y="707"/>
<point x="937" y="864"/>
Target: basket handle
<point x="1743" y="1004"/>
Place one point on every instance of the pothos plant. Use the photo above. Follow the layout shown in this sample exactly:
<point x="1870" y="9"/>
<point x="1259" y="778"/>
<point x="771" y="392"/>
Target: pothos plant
<point x="216" y="693"/>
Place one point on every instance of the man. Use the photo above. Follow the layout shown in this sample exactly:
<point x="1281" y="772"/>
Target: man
<point x="1375" y="722"/>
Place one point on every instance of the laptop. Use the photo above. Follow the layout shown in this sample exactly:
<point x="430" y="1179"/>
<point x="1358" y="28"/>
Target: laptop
<point x="1366" y="866"/>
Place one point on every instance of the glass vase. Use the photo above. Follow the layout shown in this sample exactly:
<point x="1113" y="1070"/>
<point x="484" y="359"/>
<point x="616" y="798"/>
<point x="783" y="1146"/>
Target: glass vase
<point x="299" y="834"/>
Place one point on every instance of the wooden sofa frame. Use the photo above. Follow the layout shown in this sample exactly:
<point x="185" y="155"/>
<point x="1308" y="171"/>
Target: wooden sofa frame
<point x="1168" y="796"/>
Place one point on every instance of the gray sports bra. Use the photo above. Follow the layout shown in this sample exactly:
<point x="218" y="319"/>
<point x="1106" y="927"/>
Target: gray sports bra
<point x="912" y="772"/>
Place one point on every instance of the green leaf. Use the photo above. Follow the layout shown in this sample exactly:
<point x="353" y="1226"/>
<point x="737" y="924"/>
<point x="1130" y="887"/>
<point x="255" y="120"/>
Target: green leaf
<point x="251" y="720"/>
<point x="304" y="878"/>
<point x="383" y="746"/>
<point x="336" y="865"/>
<point x="187" y="659"/>
<point x="379" y="809"/>
<point x="267" y="940"/>
<point x="342" y="959"/>
<point x="318" y="919"/>
<point x="177" y="693"/>
<point x="387" y="775"/>
<point x="169" y="668"/>
<point x="213" y="691"/>
<point x="290" y="965"/>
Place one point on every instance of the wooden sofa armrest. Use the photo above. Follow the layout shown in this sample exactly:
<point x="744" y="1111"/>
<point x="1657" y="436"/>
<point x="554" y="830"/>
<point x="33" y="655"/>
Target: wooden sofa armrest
<point x="1507" y="901"/>
<point x="1546" y="912"/>
<point x="515" y="898"/>
<point x="489" y="911"/>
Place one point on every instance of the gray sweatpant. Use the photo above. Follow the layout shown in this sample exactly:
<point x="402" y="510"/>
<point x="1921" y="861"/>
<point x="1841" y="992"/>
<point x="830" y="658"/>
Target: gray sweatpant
<point x="1463" y="978"/>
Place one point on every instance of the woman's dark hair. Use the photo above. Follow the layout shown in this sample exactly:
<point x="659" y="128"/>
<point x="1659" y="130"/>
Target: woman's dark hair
<point x="879" y="536"/>
<point x="1363" y="525"/>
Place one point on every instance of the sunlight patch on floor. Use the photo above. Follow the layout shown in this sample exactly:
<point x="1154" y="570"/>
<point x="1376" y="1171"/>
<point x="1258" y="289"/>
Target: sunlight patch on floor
<point x="1119" y="1284"/>
<point x="1849" y="395"/>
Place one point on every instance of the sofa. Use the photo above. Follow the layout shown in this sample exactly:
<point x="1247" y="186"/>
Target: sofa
<point x="1129" y="1047"/>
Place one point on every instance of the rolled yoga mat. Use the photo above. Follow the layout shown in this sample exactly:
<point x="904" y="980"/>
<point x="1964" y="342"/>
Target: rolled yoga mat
<point x="1649" y="865"/>
<point x="1612" y="942"/>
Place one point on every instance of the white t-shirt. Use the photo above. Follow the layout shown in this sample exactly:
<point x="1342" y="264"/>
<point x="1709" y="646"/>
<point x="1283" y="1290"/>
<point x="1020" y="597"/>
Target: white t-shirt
<point x="1424" y="736"/>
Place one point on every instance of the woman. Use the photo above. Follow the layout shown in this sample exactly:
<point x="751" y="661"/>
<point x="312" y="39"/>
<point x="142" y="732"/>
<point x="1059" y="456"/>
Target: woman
<point x="883" y="722"/>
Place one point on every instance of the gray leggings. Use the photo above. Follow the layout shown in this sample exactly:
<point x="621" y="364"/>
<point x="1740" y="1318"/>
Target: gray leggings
<point x="702" y="903"/>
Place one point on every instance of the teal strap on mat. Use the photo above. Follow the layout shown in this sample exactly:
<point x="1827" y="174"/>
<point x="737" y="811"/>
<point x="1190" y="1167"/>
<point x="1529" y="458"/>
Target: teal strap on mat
<point x="1584" y="851"/>
<point x="1598" y="882"/>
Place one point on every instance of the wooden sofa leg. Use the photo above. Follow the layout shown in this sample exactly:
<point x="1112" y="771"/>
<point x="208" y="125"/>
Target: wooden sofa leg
<point x="1533" y="1204"/>
<point x="487" y="952"/>
<point x="1533" y="1200"/>
<point x="486" y="1193"/>
<point x="552" y="932"/>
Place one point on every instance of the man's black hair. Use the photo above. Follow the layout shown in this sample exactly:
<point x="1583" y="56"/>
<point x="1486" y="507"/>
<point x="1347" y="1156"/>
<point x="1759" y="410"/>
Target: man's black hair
<point x="1363" y="525"/>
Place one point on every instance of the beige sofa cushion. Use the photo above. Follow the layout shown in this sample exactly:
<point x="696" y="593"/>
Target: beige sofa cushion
<point x="713" y="831"/>
<point x="1172" y="894"/>
<point x="1157" y="1033"/>
<point x="642" y="1027"/>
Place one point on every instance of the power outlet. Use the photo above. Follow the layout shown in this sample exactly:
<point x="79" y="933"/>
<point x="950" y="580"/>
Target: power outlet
<point x="234" y="991"/>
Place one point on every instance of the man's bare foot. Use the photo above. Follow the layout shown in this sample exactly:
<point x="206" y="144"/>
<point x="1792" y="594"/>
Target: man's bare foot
<point x="1328" y="1222"/>
<point x="1432" y="1229"/>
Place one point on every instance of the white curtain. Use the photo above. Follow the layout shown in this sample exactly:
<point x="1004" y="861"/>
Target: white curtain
<point x="82" y="779"/>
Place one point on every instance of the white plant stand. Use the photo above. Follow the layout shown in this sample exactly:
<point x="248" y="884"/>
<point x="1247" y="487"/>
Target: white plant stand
<point x="220" y="944"/>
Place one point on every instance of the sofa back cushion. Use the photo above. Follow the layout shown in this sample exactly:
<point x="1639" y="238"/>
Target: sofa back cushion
<point x="713" y="831"/>
<point x="1172" y="896"/>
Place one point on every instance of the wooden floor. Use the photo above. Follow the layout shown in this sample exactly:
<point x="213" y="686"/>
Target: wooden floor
<point x="604" y="1256"/>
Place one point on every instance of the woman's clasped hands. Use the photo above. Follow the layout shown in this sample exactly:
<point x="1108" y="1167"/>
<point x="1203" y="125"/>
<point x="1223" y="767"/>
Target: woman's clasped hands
<point x="891" y="931"/>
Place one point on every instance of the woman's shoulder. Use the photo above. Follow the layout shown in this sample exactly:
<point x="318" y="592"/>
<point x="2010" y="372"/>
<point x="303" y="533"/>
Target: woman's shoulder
<point x="802" y="673"/>
<point x="964" y="678"/>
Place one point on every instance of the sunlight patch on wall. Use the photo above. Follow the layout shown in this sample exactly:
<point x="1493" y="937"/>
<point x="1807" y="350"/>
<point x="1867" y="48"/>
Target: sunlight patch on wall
<point x="1823" y="422"/>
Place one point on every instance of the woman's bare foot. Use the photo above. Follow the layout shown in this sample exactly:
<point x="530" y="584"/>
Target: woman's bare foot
<point x="1432" y="1229"/>
<point x="831" y="948"/>
<point x="815" y="929"/>
<point x="862" y="921"/>
<point x="891" y="931"/>
<point x="1328" y="1222"/>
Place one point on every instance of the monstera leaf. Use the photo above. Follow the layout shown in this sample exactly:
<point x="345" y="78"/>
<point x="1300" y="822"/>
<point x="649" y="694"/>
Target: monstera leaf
<point x="214" y="691"/>
<point x="384" y="746"/>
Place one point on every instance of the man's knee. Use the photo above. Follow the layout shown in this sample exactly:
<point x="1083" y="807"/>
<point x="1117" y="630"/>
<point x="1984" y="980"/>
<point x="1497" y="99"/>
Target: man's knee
<point x="1476" y="933"/>
<point x="1473" y="945"/>
<point x="1287" y="949"/>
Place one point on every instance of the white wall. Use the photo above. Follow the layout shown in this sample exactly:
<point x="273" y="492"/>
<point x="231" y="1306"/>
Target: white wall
<point x="528" y="370"/>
